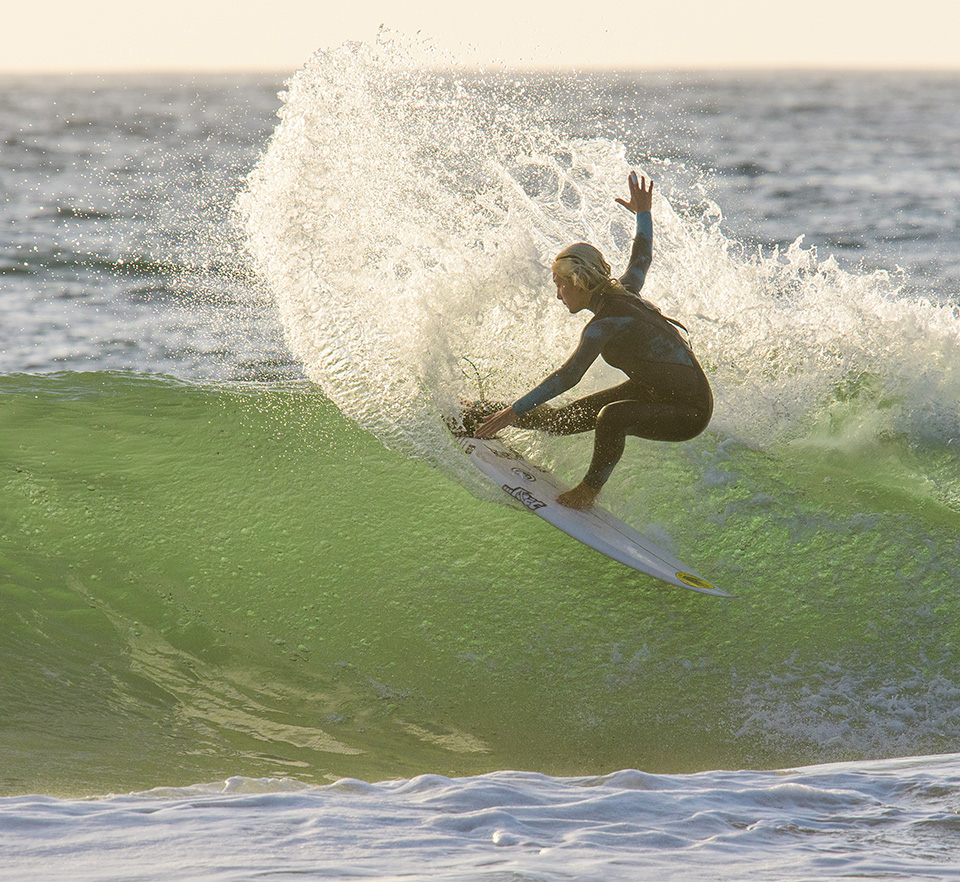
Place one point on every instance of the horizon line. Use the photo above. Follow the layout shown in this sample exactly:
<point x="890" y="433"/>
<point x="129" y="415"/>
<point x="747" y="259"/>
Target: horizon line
<point x="495" y="67"/>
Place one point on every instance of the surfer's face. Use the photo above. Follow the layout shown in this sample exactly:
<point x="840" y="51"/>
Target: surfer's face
<point x="573" y="296"/>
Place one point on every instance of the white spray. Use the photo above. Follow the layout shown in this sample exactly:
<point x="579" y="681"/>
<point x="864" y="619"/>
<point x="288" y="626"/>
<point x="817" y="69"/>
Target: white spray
<point x="405" y="221"/>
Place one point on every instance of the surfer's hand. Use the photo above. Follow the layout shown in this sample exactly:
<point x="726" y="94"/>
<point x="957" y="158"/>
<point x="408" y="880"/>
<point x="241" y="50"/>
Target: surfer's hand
<point x="494" y="423"/>
<point x="641" y="196"/>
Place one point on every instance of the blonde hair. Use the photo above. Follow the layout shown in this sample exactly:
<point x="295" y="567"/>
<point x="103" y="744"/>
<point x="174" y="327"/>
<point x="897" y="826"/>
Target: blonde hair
<point x="585" y="267"/>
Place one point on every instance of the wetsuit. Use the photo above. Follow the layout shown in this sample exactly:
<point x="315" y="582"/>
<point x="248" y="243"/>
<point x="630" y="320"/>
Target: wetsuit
<point x="667" y="396"/>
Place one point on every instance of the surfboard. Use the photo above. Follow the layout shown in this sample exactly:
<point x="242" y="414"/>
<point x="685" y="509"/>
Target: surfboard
<point x="536" y="489"/>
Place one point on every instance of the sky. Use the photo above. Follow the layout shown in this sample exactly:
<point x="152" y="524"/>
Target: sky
<point x="105" y="36"/>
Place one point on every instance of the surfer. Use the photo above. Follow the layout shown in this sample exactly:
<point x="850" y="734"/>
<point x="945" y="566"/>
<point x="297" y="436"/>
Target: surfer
<point x="666" y="397"/>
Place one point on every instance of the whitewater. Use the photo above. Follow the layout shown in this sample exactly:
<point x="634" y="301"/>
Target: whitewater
<point x="261" y="617"/>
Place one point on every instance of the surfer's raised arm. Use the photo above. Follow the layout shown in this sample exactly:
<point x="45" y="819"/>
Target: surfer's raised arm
<point x="641" y="254"/>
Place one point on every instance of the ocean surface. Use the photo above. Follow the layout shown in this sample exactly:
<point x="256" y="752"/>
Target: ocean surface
<point x="260" y="617"/>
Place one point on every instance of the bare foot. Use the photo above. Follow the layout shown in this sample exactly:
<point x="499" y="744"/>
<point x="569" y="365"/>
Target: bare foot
<point x="579" y="497"/>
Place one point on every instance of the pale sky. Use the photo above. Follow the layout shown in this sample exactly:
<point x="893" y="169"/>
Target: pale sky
<point x="82" y="36"/>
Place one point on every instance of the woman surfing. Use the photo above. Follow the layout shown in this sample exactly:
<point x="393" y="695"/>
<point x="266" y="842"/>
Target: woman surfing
<point x="666" y="396"/>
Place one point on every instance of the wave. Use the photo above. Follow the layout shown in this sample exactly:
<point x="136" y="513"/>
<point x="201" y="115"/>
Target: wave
<point x="309" y="580"/>
<point x="202" y="581"/>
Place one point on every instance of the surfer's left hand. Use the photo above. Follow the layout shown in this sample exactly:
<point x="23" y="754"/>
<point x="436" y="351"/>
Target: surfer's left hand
<point x="493" y="424"/>
<point x="641" y="196"/>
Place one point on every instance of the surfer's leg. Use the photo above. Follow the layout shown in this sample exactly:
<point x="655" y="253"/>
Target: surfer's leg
<point x="654" y="421"/>
<point x="678" y="409"/>
<point x="578" y="416"/>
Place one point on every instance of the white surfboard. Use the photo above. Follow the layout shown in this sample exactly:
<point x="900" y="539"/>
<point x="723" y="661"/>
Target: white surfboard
<point x="537" y="489"/>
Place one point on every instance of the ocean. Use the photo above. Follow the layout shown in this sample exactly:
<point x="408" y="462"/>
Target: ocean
<point x="260" y="617"/>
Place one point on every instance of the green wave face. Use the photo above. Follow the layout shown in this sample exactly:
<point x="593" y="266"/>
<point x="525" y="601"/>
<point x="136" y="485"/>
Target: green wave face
<point x="202" y="582"/>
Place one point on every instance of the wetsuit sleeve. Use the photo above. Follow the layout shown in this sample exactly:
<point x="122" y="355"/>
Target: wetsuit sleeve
<point x="567" y="375"/>
<point x="641" y="254"/>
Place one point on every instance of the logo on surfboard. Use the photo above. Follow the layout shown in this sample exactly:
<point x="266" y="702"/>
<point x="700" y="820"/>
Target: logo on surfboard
<point x="524" y="496"/>
<point x="523" y="473"/>
<point x="695" y="581"/>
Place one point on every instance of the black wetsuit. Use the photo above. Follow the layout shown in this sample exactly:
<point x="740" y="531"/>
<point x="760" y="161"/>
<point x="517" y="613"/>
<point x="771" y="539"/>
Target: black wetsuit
<point x="667" y="396"/>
